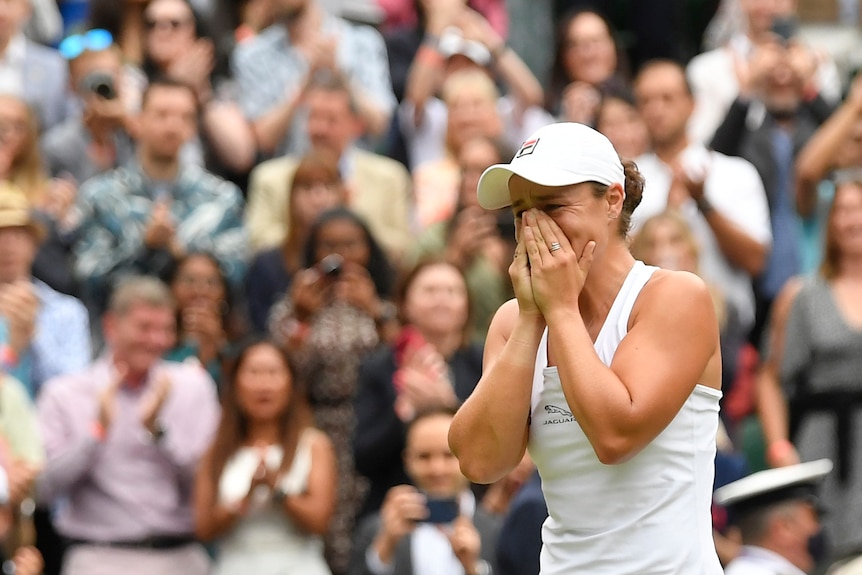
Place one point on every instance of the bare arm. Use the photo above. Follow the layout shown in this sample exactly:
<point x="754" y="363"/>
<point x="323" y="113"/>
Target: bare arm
<point x="771" y="403"/>
<point x="819" y="154"/>
<point x="489" y="432"/>
<point x="313" y="509"/>
<point x="269" y="129"/>
<point x="232" y="137"/>
<point x="737" y="246"/>
<point x="622" y="408"/>
<point x="212" y="519"/>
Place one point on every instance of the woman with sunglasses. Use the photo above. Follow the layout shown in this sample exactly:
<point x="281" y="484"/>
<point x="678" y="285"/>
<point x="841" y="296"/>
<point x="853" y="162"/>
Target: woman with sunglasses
<point x="167" y="38"/>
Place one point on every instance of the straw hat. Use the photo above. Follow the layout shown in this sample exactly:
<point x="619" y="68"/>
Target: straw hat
<point x="15" y="211"/>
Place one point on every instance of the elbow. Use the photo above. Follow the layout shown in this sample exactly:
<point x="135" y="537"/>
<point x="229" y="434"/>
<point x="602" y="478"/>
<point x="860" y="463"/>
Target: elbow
<point x="755" y="260"/>
<point x="480" y="471"/>
<point x="615" y="450"/>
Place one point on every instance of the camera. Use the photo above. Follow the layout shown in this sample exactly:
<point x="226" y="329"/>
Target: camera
<point x="331" y="266"/>
<point x="442" y="511"/>
<point x="99" y="83"/>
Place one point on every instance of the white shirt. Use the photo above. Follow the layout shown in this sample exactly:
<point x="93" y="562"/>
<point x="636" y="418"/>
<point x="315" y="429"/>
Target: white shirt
<point x="759" y="561"/>
<point x="12" y="66"/>
<point x="713" y="80"/>
<point x="735" y="190"/>
<point x="649" y="515"/>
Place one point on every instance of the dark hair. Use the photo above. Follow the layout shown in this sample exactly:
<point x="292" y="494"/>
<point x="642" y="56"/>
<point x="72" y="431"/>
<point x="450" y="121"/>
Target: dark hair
<point x="379" y="268"/>
<point x="665" y="62"/>
<point x="830" y="267"/>
<point x="559" y="76"/>
<point x="233" y="428"/>
<point x="172" y="272"/>
<point x="405" y="281"/>
<point x="634" y="189"/>
<point x="330" y="82"/>
<point x="165" y="82"/>
<point x="429" y="412"/>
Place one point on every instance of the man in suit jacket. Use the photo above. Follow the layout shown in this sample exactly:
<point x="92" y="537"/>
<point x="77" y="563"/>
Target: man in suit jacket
<point x="378" y="187"/>
<point x="437" y="522"/>
<point x="35" y="73"/>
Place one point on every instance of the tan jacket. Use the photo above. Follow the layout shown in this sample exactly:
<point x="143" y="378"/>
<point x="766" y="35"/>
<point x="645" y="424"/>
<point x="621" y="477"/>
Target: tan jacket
<point x="379" y="191"/>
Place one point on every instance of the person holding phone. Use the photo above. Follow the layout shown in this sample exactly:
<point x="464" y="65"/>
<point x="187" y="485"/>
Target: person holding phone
<point x="607" y="369"/>
<point x="436" y="521"/>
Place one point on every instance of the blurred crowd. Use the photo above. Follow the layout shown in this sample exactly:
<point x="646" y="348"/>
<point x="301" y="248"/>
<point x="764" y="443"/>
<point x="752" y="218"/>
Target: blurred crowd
<point x="245" y="280"/>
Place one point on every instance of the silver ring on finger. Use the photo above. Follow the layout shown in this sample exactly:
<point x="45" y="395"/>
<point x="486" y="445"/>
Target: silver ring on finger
<point x="554" y="247"/>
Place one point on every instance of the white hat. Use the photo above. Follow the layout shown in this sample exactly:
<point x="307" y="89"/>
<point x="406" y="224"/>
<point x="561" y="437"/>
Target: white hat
<point x="774" y="485"/>
<point x="560" y="154"/>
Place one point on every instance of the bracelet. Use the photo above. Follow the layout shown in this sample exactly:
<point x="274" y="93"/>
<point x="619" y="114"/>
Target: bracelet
<point x="777" y="450"/>
<point x="704" y="206"/>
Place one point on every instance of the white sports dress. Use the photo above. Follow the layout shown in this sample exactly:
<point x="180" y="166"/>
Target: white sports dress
<point x="647" y="516"/>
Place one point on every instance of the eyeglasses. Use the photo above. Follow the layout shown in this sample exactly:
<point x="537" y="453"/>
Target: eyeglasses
<point x="93" y="41"/>
<point x="171" y="24"/>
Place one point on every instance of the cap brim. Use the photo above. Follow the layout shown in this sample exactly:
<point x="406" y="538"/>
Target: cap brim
<point x="493" y="189"/>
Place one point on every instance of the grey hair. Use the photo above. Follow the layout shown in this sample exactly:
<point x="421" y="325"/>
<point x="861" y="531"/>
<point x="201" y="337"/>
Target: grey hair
<point x="140" y="290"/>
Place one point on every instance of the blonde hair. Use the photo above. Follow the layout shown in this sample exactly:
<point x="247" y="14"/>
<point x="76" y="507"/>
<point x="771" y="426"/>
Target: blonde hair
<point x="640" y="242"/>
<point x="26" y="170"/>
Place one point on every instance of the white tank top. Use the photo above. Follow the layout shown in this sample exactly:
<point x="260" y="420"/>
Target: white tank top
<point x="647" y="516"/>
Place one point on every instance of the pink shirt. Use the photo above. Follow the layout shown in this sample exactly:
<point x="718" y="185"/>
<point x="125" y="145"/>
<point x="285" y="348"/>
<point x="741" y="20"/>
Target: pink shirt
<point x="126" y="487"/>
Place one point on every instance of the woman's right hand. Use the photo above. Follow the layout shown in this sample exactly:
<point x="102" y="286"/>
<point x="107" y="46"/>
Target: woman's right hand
<point x="519" y="272"/>
<point x="306" y="293"/>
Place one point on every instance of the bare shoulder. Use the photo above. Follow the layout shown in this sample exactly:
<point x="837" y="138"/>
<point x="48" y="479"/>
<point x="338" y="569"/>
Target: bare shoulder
<point x="670" y="294"/>
<point x="785" y="298"/>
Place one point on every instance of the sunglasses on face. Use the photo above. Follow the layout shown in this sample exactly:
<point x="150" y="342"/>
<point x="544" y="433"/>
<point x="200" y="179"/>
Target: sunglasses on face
<point x="92" y="41"/>
<point x="171" y="24"/>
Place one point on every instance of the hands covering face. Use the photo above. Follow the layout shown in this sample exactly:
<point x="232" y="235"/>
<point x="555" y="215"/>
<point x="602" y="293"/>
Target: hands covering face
<point x="547" y="272"/>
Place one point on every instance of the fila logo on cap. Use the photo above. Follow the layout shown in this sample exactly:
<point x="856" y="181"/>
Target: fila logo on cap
<point x="527" y="147"/>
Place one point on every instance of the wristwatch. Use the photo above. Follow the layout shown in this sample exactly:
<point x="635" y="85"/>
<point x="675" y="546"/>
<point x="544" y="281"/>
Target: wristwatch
<point x="483" y="568"/>
<point x="704" y="206"/>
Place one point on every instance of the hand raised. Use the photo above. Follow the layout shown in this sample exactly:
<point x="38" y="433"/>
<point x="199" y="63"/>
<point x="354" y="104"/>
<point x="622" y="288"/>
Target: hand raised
<point x="153" y="402"/>
<point x="107" y="397"/>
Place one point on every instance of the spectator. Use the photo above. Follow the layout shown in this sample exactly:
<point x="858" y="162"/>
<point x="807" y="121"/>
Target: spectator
<point x="778" y="515"/>
<point x="335" y="313"/>
<point x="273" y="68"/>
<point x="789" y="110"/>
<point x="618" y="118"/>
<point x="470" y="108"/>
<point x="378" y="188"/>
<point x="25" y="560"/>
<point x="431" y="363"/>
<point x="29" y="70"/>
<point x="717" y="76"/>
<point x="96" y="140"/>
<point x="439" y="112"/>
<point x="316" y="187"/>
<point x="720" y="197"/>
<point x="139" y="218"/>
<point x="475" y="240"/>
<point x="206" y="321"/>
<point x="48" y="332"/>
<point x="835" y="146"/>
<point x="266" y="510"/>
<point x="123" y="439"/>
<point x="437" y="523"/>
<point x="21" y="165"/>
<point x="587" y="64"/>
<point x="808" y="389"/>
<point x="520" y="542"/>
<point x="175" y="46"/>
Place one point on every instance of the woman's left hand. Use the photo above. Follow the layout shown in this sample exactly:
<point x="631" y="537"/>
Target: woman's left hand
<point x="356" y="287"/>
<point x="557" y="276"/>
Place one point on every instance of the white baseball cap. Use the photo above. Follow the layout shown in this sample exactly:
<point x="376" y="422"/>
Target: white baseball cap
<point x="773" y="485"/>
<point x="559" y="154"/>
